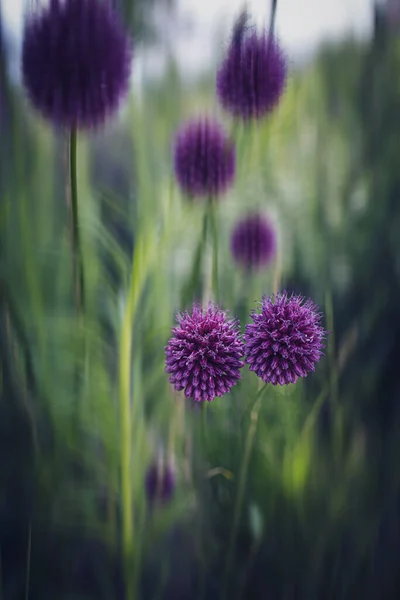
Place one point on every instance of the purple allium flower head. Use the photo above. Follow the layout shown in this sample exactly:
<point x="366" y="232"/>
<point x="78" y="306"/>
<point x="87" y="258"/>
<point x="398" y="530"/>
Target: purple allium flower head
<point x="204" y="158"/>
<point x="253" y="242"/>
<point x="76" y="62"/>
<point x="285" y="340"/>
<point x="252" y="77"/>
<point x="160" y="482"/>
<point x="204" y="354"/>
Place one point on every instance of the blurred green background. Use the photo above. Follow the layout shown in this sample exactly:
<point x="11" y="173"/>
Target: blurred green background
<point x="299" y="501"/>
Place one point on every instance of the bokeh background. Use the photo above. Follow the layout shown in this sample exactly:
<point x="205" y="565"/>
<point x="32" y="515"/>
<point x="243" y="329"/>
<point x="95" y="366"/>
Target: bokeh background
<point x="317" y="477"/>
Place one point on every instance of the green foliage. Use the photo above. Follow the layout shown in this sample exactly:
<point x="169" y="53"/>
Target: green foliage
<point x="292" y="493"/>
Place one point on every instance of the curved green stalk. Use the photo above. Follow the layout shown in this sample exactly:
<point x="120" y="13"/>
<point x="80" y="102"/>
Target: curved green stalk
<point x="242" y="487"/>
<point x="77" y="260"/>
<point x="139" y="269"/>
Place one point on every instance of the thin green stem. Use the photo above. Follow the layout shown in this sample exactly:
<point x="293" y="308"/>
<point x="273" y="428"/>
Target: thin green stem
<point x="214" y="237"/>
<point x="204" y="423"/>
<point x="273" y="17"/>
<point x="331" y="348"/>
<point x="242" y="487"/>
<point x="141" y="255"/>
<point x="78" y="275"/>
<point x="192" y="286"/>
<point x="126" y="442"/>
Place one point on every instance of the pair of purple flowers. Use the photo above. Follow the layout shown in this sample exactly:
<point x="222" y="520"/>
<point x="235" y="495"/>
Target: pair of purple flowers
<point x="284" y="342"/>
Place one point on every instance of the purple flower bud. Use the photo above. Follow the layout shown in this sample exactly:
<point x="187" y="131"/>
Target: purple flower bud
<point x="204" y="355"/>
<point x="204" y="158"/>
<point x="76" y="61"/>
<point x="251" y="78"/>
<point x="253" y="242"/>
<point x="286" y="339"/>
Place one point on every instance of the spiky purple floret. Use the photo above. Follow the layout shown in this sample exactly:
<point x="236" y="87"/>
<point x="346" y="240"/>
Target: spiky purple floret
<point x="252" y="77"/>
<point x="204" y="355"/>
<point x="160" y="482"/>
<point x="285" y="340"/>
<point x="204" y="158"/>
<point x="76" y="62"/>
<point x="253" y="242"/>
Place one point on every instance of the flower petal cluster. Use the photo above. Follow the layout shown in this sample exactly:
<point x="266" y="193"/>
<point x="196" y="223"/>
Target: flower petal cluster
<point x="76" y="62"/>
<point x="204" y="158"/>
<point x="204" y="354"/>
<point x="252" y="77"/>
<point x="285" y="340"/>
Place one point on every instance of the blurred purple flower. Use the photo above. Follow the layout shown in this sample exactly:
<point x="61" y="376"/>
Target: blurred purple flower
<point x="253" y="242"/>
<point x="252" y="77"/>
<point x="160" y="482"/>
<point x="76" y="62"/>
<point x="285" y="340"/>
<point x="204" y="158"/>
<point x="204" y="354"/>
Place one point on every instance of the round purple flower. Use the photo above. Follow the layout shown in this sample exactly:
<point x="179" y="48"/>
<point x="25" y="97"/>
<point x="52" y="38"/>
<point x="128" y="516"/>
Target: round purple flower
<point x="251" y="78"/>
<point x="76" y="62"/>
<point x="204" y="158"/>
<point x="285" y="340"/>
<point x="253" y="242"/>
<point x="160" y="482"/>
<point x="204" y="354"/>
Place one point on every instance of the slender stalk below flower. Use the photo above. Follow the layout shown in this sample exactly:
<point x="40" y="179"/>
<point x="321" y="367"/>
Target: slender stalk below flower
<point x="241" y="487"/>
<point x="214" y="237"/>
<point x="274" y="5"/>
<point x="77" y="259"/>
<point x="194" y="282"/>
<point x="277" y="272"/>
<point x="204" y="422"/>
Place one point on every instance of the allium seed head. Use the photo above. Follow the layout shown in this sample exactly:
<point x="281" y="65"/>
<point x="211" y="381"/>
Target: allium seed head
<point x="251" y="78"/>
<point x="204" y="158"/>
<point x="76" y="61"/>
<point x="204" y="355"/>
<point x="160" y="482"/>
<point x="286" y="339"/>
<point x="253" y="242"/>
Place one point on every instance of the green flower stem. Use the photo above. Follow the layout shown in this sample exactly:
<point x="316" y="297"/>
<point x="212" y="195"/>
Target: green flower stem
<point x="141" y="257"/>
<point x="242" y="486"/>
<point x="193" y="284"/>
<point x="204" y="422"/>
<point x="273" y="17"/>
<point x="77" y="260"/>
<point x="214" y="237"/>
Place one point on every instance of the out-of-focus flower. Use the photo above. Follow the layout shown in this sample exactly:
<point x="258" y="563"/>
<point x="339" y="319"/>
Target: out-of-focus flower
<point x="252" y="76"/>
<point x="204" y="354"/>
<point x="253" y="242"/>
<point x="160" y="482"/>
<point x="391" y="10"/>
<point x="204" y="158"/>
<point x="285" y="340"/>
<point x="76" y="62"/>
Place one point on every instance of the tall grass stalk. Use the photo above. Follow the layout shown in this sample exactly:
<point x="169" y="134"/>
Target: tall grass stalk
<point x="140" y="265"/>
<point x="77" y="260"/>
